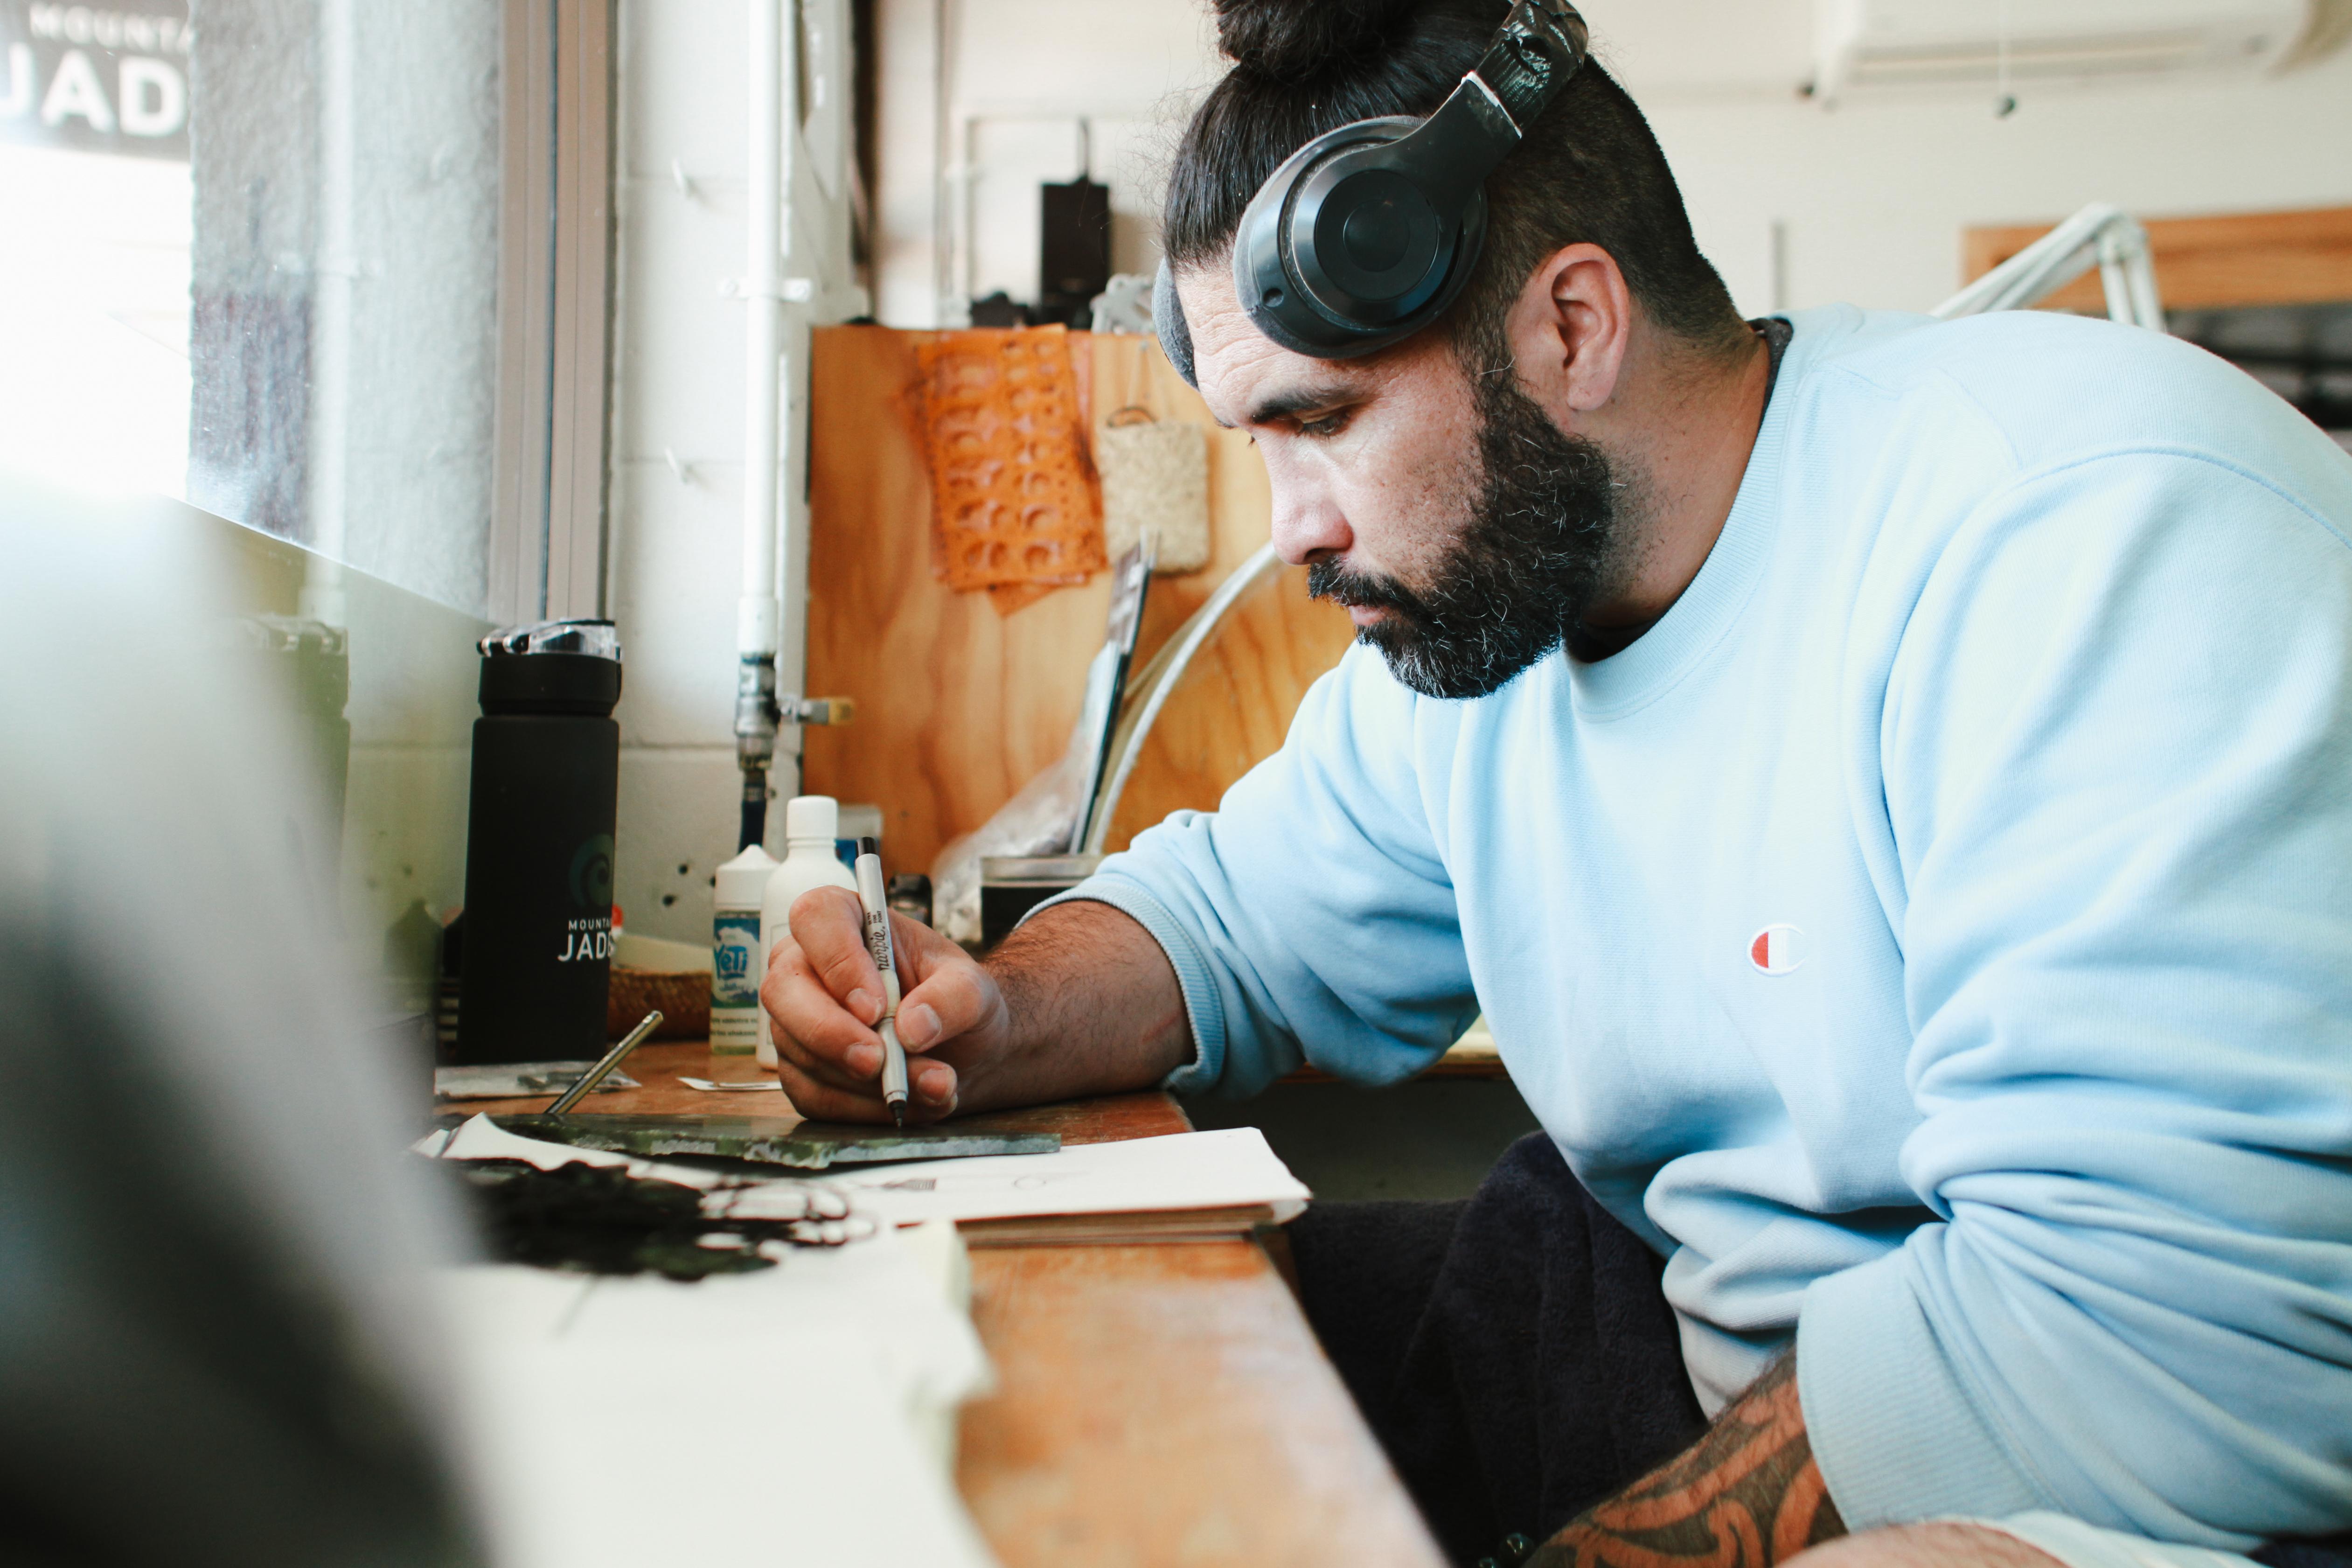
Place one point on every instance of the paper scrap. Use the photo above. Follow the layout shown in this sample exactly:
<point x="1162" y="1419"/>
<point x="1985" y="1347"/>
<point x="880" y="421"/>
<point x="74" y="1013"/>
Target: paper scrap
<point x="1230" y="1168"/>
<point x="515" y="1081"/>
<point x="480" y="1138"/>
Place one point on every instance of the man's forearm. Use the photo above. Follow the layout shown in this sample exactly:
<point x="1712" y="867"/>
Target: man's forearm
<point x="1092" y="1006"/>
<point x="1745" y="1495"/>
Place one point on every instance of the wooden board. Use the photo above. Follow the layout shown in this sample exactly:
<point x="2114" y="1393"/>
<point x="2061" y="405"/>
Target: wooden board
<point x="658" y="1067"/>
<point x="2207" y="263"/>
<point x="1168" y="1406"/>
<point x="1473" y="1055"/>
<point x="959" y="707"/>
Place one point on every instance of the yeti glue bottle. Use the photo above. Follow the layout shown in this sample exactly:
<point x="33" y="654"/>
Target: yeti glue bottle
<point x="737" y="957"/>
<point x="538" y="846"/>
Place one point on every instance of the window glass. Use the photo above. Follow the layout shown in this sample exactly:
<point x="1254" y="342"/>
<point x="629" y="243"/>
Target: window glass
<point x="251" y="258"/>
<point x="94" y="250"/>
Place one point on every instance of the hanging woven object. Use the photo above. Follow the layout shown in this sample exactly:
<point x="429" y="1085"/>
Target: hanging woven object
<point x="1155" y="475"/>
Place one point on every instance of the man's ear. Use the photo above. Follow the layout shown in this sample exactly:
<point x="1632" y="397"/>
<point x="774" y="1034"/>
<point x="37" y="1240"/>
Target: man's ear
<point x="1570" y="329"/>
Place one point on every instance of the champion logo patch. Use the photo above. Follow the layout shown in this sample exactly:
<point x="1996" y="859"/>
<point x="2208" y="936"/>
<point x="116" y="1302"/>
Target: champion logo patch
<point x="1777" y="950"/>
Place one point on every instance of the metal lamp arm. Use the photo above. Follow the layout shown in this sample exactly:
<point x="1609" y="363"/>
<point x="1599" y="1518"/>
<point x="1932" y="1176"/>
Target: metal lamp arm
<point x="2099" y="235"/>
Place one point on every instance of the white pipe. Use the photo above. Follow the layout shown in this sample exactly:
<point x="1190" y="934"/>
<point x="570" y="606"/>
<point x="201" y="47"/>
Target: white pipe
<point x="799" y="280"/>
<point x="756" y="613"/>
<point x="966" y="236"/>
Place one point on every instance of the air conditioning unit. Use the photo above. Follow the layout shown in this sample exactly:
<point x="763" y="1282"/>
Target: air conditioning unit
<point x="1871" y="46"/>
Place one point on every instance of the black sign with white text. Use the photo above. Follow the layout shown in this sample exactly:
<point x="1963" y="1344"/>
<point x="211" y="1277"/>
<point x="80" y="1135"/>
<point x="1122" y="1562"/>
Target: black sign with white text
<point x="96" y="80"/>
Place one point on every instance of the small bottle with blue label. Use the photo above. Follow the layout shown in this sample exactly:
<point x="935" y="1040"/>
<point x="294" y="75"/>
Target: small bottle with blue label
<point x="735" y="952"/>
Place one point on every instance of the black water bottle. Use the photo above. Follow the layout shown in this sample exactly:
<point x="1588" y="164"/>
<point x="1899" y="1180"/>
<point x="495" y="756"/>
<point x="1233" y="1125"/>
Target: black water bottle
<point x="538" y="846"/>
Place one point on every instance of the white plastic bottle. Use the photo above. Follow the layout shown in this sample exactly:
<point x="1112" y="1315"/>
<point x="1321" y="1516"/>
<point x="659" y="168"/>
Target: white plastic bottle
<point x="735" y="952"/>
<point x="810" y="861"/>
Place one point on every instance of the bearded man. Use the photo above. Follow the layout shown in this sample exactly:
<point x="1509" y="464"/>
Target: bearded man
<point x="1889" y="785"/>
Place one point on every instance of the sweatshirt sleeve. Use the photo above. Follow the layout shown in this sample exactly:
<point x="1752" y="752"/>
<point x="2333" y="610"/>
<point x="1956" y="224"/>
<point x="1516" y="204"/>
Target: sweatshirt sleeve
<point x="2117" y="753"/>
<point x="1310" y="917"/>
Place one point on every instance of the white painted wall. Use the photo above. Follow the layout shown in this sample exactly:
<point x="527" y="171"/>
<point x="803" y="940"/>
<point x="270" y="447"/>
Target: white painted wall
<point x="675" y="562"/>
<point x="1021" y="75"/>
<point x="1870" y="198"/>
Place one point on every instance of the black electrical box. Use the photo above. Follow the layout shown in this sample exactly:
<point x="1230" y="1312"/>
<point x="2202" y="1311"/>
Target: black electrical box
<point x="1074" y="254"/>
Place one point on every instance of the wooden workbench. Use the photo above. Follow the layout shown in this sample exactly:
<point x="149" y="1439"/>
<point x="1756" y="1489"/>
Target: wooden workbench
<point x="1157" y="1405"/>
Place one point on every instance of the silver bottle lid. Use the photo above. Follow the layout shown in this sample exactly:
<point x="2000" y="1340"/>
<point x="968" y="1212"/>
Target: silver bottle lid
<point x="599" y="639"/>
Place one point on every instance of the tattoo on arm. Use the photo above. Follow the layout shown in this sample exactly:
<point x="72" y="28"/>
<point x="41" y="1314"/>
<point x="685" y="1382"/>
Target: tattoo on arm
<point x="1747" y="1495"/>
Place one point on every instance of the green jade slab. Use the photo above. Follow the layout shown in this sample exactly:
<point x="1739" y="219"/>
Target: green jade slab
<point x="772" y="1140"/>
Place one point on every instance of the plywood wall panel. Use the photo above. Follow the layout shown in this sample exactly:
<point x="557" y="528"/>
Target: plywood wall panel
<point x="1235" y="705"/>
<point x="959" y="707"/>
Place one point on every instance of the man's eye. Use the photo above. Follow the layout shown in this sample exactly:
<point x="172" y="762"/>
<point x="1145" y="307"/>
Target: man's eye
<point x="1329" y="425"/>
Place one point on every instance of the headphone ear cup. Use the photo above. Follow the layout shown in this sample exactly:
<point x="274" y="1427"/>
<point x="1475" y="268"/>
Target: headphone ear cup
<point x="1168" y="321"/>
<point x="1427" y="216"/>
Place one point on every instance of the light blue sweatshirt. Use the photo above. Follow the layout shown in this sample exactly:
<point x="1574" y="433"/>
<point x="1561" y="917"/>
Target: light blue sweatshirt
<point x="1934" y="935"/>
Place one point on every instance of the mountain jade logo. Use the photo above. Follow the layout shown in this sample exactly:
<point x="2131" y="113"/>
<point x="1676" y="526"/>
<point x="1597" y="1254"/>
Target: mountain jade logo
<point x="111" y="81"/>
<point x="589" y="938"/>
<point x="587" y="941"/>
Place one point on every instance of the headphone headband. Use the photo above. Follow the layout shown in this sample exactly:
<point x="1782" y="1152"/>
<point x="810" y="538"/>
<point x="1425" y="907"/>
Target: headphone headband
<point x="1365" y="234"/>
<point x="1539" y="46"/>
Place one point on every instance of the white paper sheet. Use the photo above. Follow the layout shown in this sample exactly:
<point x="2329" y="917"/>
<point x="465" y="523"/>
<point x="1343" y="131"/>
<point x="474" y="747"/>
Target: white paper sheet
<point x="778" y="1417"/>
<point x="1232" y="1168"/>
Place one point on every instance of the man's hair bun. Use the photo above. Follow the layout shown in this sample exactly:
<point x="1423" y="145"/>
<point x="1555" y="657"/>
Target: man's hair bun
<point x="1299" y="40"/>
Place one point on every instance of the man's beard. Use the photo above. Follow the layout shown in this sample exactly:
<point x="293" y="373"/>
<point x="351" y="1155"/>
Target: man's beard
<point x="1538" y="544"/>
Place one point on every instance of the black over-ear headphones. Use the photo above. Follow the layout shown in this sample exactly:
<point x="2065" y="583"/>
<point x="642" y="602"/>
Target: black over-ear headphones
<point x="1366" y="234"/>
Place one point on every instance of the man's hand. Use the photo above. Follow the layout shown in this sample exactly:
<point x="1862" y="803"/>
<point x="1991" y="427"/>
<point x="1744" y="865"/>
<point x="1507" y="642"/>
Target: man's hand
<point x="823" y="998"/>
<point x="1080" y="1000"/>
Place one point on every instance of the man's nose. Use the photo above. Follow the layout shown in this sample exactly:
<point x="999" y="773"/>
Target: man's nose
<point x="1308" y="521"/>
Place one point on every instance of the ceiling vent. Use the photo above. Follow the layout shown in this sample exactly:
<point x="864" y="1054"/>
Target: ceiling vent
<point x="1874" y="47"/>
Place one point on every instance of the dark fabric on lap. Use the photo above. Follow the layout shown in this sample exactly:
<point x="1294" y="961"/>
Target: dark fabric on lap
<point x="1513" y="1352"/>
<point x="1365" y="1271"/>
